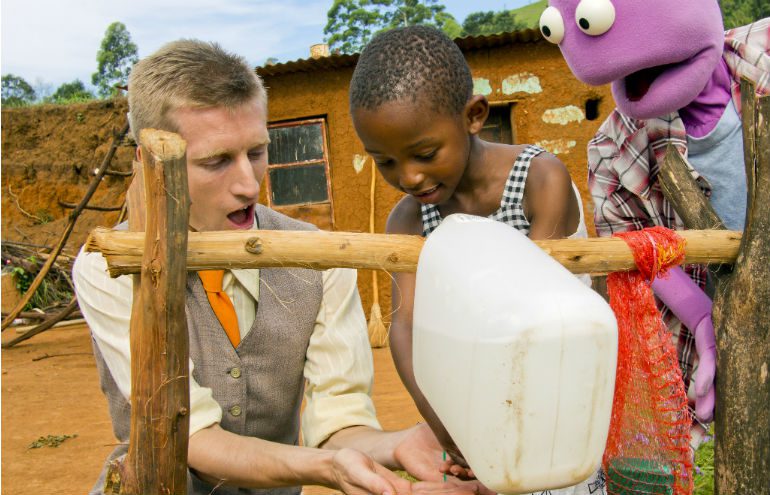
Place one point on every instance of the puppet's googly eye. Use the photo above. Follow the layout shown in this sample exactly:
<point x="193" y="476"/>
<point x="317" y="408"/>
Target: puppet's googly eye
<point x="552" y="25"/>
<point x="595" y="17"/>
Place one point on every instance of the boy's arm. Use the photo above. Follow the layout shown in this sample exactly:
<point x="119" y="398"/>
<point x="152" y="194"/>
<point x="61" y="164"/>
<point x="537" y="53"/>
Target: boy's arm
<point x="405" y="219"/>
<point x="549" y="199"/>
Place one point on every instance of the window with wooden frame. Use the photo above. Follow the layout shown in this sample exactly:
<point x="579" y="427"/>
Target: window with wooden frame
<point x="297" y="181"/>
<point x="500" y="126"/>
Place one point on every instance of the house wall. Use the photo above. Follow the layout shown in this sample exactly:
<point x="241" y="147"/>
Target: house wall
<point x="548" y="105"/>
<point x="49" y="152"/>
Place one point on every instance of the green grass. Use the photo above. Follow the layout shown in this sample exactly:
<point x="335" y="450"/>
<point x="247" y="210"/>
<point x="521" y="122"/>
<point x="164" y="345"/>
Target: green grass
<point x="531" y="13"/>
<point x="704" y="467"/>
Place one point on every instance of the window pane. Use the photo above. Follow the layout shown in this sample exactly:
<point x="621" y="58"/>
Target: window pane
<point x="298" y="185"/>
<point x="296" y="144"/>
<point x="497" y="128"/>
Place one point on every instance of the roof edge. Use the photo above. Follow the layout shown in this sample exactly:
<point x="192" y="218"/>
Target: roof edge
<point x="335" y="61"/>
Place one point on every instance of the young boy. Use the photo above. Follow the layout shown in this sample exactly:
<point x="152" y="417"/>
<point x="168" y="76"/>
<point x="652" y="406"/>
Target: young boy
<point x="412" y="107"/>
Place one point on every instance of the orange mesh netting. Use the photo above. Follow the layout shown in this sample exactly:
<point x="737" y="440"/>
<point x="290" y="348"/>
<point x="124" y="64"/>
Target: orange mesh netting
<point x="648" y="444"/>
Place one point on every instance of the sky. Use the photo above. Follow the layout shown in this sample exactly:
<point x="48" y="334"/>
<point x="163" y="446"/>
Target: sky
<point x="50" y="42"/>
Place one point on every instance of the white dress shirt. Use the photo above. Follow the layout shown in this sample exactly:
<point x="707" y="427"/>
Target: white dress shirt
<point x="338" y="368"/>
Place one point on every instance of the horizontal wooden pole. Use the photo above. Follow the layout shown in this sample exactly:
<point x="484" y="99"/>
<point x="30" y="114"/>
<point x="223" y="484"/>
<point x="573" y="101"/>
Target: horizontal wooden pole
<point x="320" y="250"/>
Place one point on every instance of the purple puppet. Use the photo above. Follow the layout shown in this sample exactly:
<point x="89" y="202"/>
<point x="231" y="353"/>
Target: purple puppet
<point x="675" y="76"/>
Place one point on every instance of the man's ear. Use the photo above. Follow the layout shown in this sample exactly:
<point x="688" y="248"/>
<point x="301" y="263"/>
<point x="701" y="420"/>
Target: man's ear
<point x="138" y="153"/>
<point x="475" y="113"/>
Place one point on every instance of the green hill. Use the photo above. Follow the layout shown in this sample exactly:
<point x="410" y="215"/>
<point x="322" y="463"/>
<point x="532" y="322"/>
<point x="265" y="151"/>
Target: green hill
<point x="531" y="13"/>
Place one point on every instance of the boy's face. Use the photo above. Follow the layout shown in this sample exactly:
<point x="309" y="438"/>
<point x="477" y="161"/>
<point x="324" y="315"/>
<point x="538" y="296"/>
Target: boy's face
<point x="226" y="160"/>
<point x="418" y="151"/>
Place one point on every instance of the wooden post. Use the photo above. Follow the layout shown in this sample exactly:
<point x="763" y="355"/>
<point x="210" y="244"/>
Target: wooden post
<point x="741" y="314"/>
<point x="160" y="396"/>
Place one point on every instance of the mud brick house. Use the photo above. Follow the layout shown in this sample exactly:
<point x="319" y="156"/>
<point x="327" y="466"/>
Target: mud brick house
<point x="320" y="172"/>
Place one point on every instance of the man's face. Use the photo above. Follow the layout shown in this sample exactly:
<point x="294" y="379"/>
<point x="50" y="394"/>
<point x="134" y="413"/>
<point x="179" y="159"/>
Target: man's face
<point x="226" y="160"/>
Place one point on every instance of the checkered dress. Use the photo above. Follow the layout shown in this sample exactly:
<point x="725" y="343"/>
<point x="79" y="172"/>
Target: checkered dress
<point x="511" y="209"/>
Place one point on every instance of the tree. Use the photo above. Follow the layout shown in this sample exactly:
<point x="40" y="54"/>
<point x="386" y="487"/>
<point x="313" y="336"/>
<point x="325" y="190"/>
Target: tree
<point x="71" y="91"/>
<point x="115" y="57"/>
<point x="352" y="23"/>
<point x="485" y="23"/>
<point x="742" y="12"/>
<point x="16" y="92"/>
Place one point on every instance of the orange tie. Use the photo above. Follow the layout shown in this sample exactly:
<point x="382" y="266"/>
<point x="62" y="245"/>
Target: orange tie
<point x="221" y="304"/>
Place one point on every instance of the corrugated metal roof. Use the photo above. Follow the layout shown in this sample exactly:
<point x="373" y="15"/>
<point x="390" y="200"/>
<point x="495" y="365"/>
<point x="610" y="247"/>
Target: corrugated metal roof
<point x="339" y="61"/>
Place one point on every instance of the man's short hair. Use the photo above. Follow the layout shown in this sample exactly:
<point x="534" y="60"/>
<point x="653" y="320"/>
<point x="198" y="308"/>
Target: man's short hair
<point x="188" y="73"/>
<point x="416" y="64"/>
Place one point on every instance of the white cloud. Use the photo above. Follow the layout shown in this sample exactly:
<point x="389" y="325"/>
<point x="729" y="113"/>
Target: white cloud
<point x="56" y="41"/>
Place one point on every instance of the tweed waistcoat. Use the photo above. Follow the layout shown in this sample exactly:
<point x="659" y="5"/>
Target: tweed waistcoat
<point x="259" y="384"/>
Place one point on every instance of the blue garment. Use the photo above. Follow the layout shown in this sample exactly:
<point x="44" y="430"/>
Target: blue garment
<point x="718" y="157"/>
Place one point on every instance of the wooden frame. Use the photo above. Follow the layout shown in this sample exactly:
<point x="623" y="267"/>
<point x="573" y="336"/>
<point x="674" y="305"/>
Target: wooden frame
<point x="297" y="210"/>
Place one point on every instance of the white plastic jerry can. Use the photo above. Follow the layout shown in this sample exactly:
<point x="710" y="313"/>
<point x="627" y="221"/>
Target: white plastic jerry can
<point x="515" y="355"/>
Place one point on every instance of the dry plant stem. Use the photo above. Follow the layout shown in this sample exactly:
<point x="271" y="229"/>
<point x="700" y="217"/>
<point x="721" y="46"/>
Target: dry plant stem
<point x="65" y="204"/>
<point x="160" y="396"/>
<point x="22" y="210"/>
<point x="742" y="421"/>
<point x="47" y="324"/>
<point x="681" y="190"/>
<point x="378" y="333"/>
<point x="321" y="250"/>
<point x="34" y="315"/>
<point x="67" y="230"/>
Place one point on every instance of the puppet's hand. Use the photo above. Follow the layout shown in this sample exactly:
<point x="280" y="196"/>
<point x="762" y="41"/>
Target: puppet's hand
<point x="693" y="308"/>
<point x="705" y="345"/>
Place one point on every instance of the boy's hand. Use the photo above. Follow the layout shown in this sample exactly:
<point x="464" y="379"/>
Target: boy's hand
<point x="460" y="469"/>
<point x="421" y="455"/>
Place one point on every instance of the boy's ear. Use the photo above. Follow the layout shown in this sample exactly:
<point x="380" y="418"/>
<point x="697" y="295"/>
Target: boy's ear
<point x="475" y="113"/>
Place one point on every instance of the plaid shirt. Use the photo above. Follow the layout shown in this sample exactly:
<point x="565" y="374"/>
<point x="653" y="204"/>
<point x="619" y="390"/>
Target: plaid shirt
<point x="623" y="162"/>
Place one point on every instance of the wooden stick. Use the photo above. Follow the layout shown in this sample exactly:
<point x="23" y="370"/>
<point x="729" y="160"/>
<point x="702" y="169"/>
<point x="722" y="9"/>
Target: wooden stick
<point x="390" y="252"/>
<point x="160" y="398"/>
<point x="681" y="190"/>
<point x="42" y="327"/>
<point x="67" y="231"/>
<point x="34" y="315"/>
<point x="72" y="206"/>
<point x="689" y="202"/>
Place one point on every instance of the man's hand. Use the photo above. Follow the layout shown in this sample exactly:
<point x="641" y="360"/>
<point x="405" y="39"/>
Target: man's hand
<point x="356" y="473"/>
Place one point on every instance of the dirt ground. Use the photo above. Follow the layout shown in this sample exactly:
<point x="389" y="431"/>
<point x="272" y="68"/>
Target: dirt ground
<point x="50" y="387"/>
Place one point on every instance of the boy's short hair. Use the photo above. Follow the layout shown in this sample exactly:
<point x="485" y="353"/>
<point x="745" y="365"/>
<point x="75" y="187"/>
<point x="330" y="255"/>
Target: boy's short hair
<point x="188" y="73"/>
<point x="415" y="64"/>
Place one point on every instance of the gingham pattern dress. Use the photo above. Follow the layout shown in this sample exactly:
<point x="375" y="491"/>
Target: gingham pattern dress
<point x="511" y="209"/>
